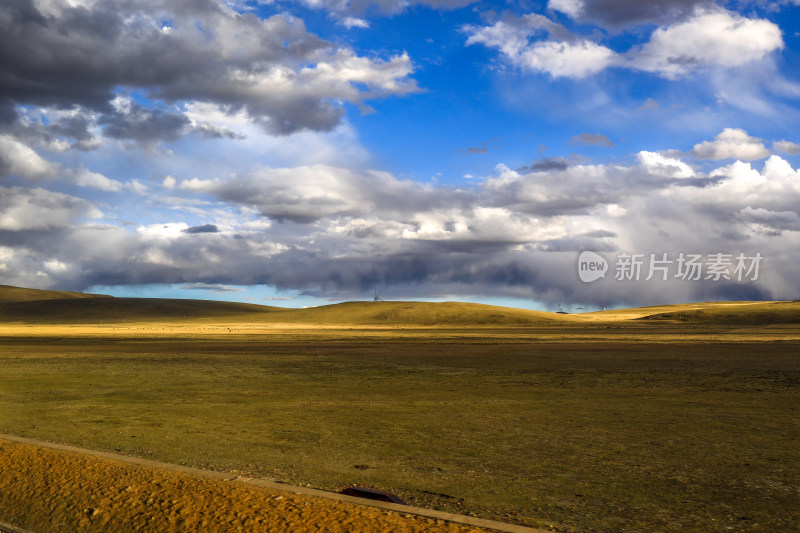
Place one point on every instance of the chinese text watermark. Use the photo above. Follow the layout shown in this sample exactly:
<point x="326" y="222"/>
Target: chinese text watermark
<point x="664" y="266"/>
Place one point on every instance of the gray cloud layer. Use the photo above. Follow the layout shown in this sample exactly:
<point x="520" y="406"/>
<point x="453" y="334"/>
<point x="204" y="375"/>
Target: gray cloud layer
<point x="620" y="13"/>
<point x="337" y="232"/>
<point x="386" y="7"/>
<point x="284" y="77"/>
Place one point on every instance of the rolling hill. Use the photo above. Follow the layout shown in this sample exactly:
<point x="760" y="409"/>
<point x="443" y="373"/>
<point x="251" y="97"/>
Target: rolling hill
<point x="9" y="294"/>
<point x="39" y="306"/>
<point x="34" y="306"/>
<point x="418" y="313"/>
<point x="751" y="313"/>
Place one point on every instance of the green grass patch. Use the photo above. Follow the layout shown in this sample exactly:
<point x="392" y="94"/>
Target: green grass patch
<point x="586" y="436"/>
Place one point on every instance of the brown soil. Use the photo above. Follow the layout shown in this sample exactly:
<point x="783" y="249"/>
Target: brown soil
<point x="53" y="490"/>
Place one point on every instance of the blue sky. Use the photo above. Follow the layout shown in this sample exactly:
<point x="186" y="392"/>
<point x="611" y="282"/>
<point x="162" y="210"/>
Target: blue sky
<point x="301" y="153"/>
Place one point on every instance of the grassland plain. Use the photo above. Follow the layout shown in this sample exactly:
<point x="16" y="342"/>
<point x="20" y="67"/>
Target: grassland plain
<point x="648" y="425"/>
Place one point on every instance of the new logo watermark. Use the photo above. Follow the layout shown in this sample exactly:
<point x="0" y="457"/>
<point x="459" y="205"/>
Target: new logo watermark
<point x="591" y="266"/>
<point x="664" y="266"/>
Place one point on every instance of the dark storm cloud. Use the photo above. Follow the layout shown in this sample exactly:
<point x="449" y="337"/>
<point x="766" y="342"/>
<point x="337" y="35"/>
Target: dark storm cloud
<point x="205" y="228"/>
<point x="546" y="164"/>
<point x="144" y="126"/>
<point x="731" y="291"/>
<point x="7" y="113"/>
<point x="79" y="55"/>
<point x="621" y="13"/>
<point x="63" y="56"/>
<point x="285" y="116"/>
<point x="778" y="221"/>
<point x="705" y="181"/>
<point x="77" y="127"/>
<point x="73" y="127"/>
<point x="337" y="267"/>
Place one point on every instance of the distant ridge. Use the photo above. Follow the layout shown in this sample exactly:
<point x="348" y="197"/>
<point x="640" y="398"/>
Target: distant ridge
<point x="754" y="313"/>
<point x="10" y="294"/>
<point x="19" y="305"/>
<point x="420" y="313"/>
<point x="39" y="306"/>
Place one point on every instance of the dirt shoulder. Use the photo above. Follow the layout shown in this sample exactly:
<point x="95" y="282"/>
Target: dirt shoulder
<point x="45" y="490"/>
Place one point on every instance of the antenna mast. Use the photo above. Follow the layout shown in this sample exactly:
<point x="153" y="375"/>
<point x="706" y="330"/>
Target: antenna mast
<point x="377" y="298"/>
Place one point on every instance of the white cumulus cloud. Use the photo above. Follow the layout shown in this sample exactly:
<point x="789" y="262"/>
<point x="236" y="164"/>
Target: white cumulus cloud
<point x="24" y="209"/>
<point x="787" y="147"/>
<point x="17" y="158"/>
<point x="661" y="165"/>
<point x="87" y="178"/>
<point x="354" y="22"/>
<point x="569" y="58"/>
<point x="732" y="143"/>
<point x="573" y="8"/>
<point x="711" y="37"/>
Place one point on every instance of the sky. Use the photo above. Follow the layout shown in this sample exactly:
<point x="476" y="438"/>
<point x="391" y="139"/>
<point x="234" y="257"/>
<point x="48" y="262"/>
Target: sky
<point x="299" y="153"/>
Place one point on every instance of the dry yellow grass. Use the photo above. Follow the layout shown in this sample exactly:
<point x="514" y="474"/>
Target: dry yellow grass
<point x="39" y="490"/>
<point x="655" y="419"/>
